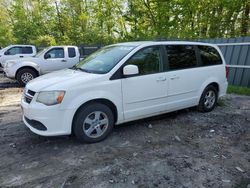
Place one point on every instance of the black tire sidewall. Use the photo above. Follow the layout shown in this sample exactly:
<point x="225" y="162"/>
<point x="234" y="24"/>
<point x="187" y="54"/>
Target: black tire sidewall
<point x="83" y="113"/>
<point x="201" y="106"/>
<point x="20" y="72"/>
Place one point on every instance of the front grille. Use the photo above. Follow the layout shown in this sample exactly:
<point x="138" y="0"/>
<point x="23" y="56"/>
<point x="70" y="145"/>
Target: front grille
<point x="28" y="96"/>
<point x="32" y="93"/>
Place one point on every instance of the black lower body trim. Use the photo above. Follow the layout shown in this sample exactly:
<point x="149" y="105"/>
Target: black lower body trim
<point x="35" y="124"/>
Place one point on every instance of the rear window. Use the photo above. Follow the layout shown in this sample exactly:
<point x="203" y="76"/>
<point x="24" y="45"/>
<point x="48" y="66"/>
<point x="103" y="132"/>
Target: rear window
<point x="72" y="52"/>
<point x="27" y="50"/>
<point x="209" y="56"/>
<point x="181" y="57"/>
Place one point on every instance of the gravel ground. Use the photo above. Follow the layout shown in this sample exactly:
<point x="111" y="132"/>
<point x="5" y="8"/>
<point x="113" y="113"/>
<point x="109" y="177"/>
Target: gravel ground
<point x="184" y="149"/>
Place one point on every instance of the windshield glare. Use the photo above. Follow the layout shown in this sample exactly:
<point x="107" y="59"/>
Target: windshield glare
<point x="103" y="60"/>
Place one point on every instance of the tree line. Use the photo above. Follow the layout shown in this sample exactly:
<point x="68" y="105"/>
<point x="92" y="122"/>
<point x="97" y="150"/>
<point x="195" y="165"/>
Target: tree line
<point x="76" y="22"/>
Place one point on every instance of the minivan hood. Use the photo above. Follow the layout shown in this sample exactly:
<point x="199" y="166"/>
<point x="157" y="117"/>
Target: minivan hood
<point x="61" y="79"/>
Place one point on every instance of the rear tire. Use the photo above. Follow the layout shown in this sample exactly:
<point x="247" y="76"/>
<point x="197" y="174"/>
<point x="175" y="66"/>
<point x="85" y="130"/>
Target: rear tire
<point x="93" y="123"/>
<point x="208" y="99"/>
<point x="25" y="75"/>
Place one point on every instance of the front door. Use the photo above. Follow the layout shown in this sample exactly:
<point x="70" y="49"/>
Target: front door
<point x="54" y="60"/>
<point x="145" y="93"/>
<point x="12" y="53"/>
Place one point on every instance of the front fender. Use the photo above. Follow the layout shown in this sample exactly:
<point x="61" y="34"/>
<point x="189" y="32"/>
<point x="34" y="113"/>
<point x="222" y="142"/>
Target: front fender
<point x="78" y="101"/>
<point x="28" y="64"/>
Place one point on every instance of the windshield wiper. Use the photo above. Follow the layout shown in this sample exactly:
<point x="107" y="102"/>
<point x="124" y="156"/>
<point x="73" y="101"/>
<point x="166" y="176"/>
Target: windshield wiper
<point x="74" y="67"/>
<point x="85" y="70"/>
<point x="81" y="69"/>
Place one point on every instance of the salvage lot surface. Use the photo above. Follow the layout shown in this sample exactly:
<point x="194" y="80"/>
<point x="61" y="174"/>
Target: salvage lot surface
<point x="180" y="149"/>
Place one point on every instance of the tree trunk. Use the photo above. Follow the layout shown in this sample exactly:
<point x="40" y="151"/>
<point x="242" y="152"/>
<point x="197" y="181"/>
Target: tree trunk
<point x="245" y="21"/>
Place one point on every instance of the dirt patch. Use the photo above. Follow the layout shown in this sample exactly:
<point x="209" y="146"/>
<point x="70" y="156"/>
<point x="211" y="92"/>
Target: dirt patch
<point x="180" y="149"/>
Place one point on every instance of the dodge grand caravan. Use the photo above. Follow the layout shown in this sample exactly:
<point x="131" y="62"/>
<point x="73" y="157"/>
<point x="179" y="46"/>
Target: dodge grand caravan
<point x="121" y="83"/>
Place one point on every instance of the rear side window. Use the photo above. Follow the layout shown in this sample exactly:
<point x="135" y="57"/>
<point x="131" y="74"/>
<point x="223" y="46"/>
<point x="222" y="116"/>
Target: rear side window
<point x="209" y="56"/>
<point x="71" y="52"/>
<point x="181" y="57"/>
<point x="27" y="50"/>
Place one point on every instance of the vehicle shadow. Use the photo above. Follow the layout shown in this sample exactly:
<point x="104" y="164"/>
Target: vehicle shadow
<point x="7" y="83"/>
<point x="122" y="129"/>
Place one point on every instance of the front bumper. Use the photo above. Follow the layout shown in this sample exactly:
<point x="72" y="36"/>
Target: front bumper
<point x="55" y="120"/>
<point x="9" y="73"/>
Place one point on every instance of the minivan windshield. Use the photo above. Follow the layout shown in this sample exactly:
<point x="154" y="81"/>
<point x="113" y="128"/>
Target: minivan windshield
<point x="103" y="60"/>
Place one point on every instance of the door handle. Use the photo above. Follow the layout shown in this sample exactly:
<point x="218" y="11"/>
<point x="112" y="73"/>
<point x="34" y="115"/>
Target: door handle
<point x="64" y="60"/>
<point x="161" y="79"/>
<point x="21" y="56"/>
<point x="174" y="77"/>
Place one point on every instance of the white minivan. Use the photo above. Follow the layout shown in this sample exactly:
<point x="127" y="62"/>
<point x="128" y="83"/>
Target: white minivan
<point x="124" y="82"/>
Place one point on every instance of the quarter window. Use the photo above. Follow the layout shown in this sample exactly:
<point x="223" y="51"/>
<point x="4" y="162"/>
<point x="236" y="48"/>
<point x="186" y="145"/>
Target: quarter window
<point x="181" y="57"/>
<point x="148" y="60"/>
<point x="209" y="56"/>
<point x="55" y="53"/>
<point x="71" y="52"/>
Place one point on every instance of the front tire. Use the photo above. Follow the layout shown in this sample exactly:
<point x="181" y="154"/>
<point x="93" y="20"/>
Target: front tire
<point x="25" y="75"/>
<point x="93" y="123"/>
<point x="208" y="99"/>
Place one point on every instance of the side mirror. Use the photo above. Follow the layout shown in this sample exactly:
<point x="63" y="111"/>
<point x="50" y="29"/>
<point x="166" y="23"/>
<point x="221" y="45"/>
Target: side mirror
<point x="130" y="70"/>
<point x="47" y="56"/>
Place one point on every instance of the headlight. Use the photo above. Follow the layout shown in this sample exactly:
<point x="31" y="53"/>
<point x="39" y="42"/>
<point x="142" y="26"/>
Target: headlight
<point x="50" y="97"/>
<point x="9" y="64"/>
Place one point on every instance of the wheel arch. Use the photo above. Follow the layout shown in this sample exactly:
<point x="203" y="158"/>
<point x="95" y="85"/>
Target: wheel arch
<point x="216" y="85"/>
<point x="27" y="67"/>
<point x="104" y="101"/>
<point x="208" y="83"/>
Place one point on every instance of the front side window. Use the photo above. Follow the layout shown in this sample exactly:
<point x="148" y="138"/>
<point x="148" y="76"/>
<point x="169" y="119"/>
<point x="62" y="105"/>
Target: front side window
<point x="209" y="56"/>
<point x="181" y="57"/>
<point x="147" y="59"/>
<point x="14" y="51"/>
<point x="103" y="60"/>
<point x="27" y="50"/>
<point x="54" y="53"/>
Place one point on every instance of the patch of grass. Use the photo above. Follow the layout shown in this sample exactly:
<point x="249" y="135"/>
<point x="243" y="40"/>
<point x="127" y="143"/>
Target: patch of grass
<point x="238" y="90"/>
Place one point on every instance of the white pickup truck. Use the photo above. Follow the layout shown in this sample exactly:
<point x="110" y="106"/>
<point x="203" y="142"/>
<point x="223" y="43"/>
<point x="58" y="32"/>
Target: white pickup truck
<point x="16" y="51"/>
<point x="50" y="59"/>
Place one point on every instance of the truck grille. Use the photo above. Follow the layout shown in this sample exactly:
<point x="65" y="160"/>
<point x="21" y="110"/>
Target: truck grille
<point x="28" y="96"/>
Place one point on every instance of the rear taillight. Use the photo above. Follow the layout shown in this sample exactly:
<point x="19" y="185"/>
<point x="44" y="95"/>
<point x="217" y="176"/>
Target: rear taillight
<point x="227" y="71"/>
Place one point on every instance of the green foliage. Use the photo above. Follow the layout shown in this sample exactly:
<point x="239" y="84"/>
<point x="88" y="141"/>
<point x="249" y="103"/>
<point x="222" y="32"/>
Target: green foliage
<point x="46" y="22"/>
<point x="238" y="90"/>
<point x="44" y="40"/>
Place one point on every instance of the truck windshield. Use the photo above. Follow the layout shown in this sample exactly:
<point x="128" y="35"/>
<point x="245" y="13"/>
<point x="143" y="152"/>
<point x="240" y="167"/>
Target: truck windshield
<point x="41" y="52"/>
<point x="103" y="60"/>
<point x="4" y="49"/>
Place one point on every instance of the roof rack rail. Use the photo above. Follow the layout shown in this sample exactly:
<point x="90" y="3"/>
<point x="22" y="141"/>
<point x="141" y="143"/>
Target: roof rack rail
<point x="167" y="39"/>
